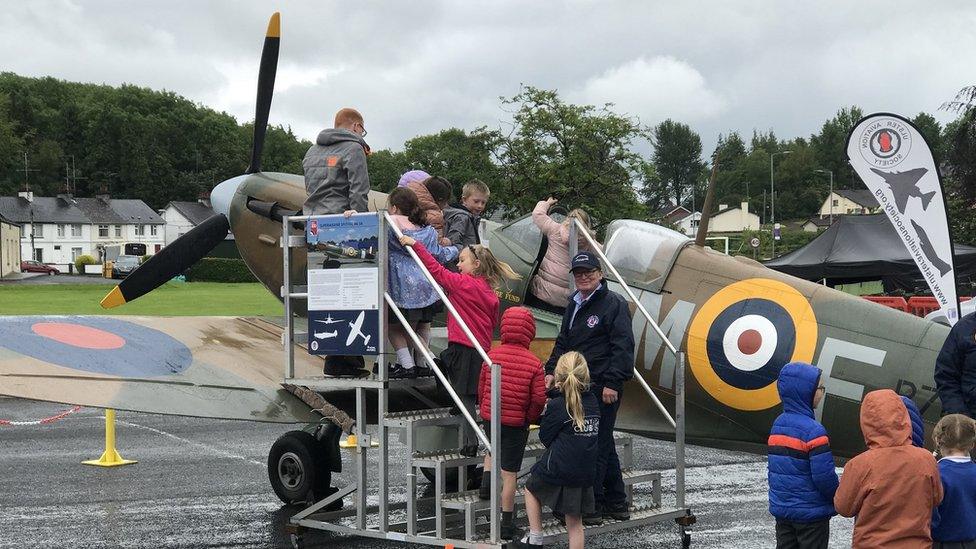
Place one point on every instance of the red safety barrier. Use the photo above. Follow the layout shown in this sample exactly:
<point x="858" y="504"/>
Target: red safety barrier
<point x="922" y="305"/>
<point x="889" y="301"/>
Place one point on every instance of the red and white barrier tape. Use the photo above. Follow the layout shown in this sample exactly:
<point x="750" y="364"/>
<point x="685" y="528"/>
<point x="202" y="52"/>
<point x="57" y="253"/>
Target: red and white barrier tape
<point x="44" y="421"/>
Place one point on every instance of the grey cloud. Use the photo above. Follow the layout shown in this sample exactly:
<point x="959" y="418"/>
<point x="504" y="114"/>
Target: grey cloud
<point x="417" y="67"/>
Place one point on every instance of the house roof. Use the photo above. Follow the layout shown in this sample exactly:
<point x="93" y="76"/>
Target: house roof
<point x="64" y="209"/>
<point x="194" y="212"/>
<point x="671" y="209"/>
<point x="44" y="209"/>
<point x="820" y="222"/>
<point x="862" y="197"/>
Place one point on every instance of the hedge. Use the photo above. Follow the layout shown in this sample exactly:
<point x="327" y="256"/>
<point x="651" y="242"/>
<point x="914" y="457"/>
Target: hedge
<point x="215" y="269"/>
<point x="83" y="260"/>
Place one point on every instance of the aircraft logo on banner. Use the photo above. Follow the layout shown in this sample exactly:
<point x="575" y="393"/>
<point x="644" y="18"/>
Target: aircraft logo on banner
<point x="894" y="161"/>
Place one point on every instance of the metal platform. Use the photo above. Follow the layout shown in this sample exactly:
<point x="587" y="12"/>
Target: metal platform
<point x="447" y="516"/>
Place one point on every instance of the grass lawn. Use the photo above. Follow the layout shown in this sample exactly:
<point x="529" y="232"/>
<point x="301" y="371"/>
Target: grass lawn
<point x="171" y="299"/>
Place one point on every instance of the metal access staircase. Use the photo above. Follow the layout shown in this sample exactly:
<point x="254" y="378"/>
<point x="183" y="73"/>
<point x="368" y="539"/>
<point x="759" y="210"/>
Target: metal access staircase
<point x="444" y="516"/>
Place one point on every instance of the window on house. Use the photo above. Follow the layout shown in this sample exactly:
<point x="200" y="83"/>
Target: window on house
<point x="140" y="230"/>
<point x="76" y="231"/>
<point x="38" y="230"/>
<point x="75" y="252"/>
<point x="118" y="231"/>
<point x="60" y="231"/>
<point x="834" y="202"/>
<point x="103" y="231"/>
<point x="153" y="229"/>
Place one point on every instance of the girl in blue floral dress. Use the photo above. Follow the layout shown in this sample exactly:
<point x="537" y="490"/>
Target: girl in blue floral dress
<point x="407" y="285"/>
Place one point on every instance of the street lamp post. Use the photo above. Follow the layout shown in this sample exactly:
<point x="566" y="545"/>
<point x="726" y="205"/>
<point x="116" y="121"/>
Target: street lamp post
<point x="830" y="196"/>
<point x="772" y="198"/>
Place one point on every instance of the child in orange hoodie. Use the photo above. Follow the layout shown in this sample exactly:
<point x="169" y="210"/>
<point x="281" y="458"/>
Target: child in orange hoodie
<point x="893" y="486"/>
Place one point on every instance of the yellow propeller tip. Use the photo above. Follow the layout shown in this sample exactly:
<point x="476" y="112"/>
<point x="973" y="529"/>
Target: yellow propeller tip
<point x="113" y="299"/>
<point x="274" y="26"/>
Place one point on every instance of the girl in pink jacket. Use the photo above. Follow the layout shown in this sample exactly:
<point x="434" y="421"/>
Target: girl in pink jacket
<point x="551" y="283"/>
<point x="472" y="292"/>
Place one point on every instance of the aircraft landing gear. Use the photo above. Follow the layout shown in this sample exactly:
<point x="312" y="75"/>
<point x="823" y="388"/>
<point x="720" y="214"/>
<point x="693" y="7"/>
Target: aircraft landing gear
<point x="300" y="466"/>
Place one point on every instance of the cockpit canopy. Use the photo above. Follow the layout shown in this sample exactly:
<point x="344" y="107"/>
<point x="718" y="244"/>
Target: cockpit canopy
<point x="643" y="252"/>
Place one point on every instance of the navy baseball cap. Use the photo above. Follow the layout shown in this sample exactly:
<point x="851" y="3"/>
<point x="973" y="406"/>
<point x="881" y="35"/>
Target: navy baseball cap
<point x="587" y="260"/>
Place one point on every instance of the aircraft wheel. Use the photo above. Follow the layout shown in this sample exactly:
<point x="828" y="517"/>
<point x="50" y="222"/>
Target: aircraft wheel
<point x="685" y="540"/>
<point x="299" y="468"/>
<point x="297" y="542"/>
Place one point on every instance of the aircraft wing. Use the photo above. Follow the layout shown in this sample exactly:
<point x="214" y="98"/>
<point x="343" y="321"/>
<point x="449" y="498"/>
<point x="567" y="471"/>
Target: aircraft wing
<point x="211" y="367"/>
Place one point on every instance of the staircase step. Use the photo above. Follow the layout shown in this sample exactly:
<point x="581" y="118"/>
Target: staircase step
<point x="421" y="418"/>
<point x="462" y="500"/>
<point x="643" y="515"/>
<point x="453" y="458"/>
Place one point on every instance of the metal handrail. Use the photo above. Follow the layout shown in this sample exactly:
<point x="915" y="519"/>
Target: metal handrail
<point x="440" y="291"/>
<point x="679" y="397"/>
<point x="494" y="444"/>
<point x="578" y="228"/>
<point x="429" y="357"/>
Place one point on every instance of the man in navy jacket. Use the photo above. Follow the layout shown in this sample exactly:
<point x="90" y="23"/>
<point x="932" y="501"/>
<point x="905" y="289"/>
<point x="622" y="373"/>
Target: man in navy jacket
<point x="597" y="324"/>
<point x="955" y="369"/>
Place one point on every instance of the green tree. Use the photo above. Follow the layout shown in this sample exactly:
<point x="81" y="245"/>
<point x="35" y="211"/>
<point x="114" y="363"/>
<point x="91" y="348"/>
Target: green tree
<point x="580" y="153"/>
<point x="931" y="130"/>
<point x="959" y="143"/>
<point x="385" y="169"/>
<point x="455" y="155"/>
<point x="677" y="159"/>
<point x="830" y="146"/>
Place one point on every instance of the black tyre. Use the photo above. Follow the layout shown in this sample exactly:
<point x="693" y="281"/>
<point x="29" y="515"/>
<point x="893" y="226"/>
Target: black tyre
<point x="299" y="468"/>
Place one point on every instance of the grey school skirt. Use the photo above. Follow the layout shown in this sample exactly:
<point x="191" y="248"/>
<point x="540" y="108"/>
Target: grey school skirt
<point x="568" y="500"/>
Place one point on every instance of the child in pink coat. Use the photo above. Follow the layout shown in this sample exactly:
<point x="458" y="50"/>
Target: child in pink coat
<point x="472" y="292"/>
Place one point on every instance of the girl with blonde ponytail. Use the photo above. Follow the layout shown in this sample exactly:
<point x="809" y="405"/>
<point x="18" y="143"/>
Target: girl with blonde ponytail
<point x="562" y="479"/>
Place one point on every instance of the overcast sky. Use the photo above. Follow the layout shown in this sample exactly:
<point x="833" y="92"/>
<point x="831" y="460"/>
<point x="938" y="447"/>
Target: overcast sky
<point x="418" y="67"/>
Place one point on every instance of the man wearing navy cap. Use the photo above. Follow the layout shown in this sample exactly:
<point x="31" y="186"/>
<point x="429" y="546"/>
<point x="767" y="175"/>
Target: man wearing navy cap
<point x="597" y="324"/>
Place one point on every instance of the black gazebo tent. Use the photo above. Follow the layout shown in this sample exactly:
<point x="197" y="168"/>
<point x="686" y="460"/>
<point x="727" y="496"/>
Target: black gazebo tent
<point x="860" y="248"/>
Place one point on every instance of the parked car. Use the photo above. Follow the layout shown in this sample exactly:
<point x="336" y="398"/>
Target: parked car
<point x="31" y="266"/>
<point x="124" y="265"/>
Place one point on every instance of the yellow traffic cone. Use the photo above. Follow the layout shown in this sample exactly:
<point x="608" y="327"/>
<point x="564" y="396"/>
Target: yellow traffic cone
<point x="110" y="457"/>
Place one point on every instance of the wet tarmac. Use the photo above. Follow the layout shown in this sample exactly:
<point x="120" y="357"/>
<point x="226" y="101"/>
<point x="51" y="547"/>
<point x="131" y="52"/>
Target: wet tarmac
<point x="203" y="483"/>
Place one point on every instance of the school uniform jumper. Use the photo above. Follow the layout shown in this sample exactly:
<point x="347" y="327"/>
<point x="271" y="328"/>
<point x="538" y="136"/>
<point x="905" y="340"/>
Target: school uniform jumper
<point x="558" y="480"/>
<point x="954" y="520"/>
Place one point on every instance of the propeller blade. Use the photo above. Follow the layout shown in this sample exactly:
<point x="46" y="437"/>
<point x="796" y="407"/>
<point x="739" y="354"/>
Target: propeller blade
<point x="170" y="261"/>
<point x="266" y="80"/>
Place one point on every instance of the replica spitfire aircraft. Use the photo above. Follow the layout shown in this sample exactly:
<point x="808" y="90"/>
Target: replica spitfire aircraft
<point x="739" y="322"/>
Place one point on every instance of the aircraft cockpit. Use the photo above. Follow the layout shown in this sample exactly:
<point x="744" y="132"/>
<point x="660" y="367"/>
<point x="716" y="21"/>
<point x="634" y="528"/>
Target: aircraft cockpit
<point x="643" y="252"/>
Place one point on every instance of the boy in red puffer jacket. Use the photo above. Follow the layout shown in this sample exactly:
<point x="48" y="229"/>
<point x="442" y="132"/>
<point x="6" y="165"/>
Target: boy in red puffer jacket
<point x="523" y="396"/>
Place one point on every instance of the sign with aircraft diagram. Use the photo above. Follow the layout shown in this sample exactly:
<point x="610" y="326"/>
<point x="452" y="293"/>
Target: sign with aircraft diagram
<point x="343" y="284"/>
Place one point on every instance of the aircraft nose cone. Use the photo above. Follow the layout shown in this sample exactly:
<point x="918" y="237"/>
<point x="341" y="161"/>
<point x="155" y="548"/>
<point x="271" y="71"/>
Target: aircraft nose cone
<point x="223" y="194"/>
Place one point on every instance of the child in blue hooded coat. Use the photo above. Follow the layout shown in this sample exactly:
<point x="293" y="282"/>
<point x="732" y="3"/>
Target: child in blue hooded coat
<point x="802" y="480"/>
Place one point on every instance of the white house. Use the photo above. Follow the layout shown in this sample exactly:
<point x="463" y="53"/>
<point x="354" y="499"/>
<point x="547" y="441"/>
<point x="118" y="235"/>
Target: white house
<point x="730" y="220"/>
<point x="846" y="201"/>
<point x="689" y="223"/>
<point x="181" y="217"/>
<point x="56" y="230"/>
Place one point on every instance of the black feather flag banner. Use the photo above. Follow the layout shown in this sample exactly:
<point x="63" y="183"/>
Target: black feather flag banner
<point x="894" y="161"/>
